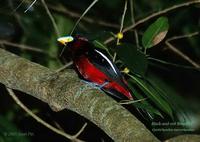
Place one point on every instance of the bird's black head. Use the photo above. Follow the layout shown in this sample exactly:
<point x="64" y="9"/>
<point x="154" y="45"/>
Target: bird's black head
<point x="74" y="44"/>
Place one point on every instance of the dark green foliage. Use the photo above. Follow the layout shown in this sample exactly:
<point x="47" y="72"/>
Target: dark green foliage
<point x="132" y="58"/>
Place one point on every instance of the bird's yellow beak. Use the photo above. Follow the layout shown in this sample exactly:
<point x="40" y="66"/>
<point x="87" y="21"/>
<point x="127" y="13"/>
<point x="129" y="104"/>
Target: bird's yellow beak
<point x="64" y="40"/>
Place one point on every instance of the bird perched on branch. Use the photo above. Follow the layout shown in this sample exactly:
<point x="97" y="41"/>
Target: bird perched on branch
<point x="95" y="67"/>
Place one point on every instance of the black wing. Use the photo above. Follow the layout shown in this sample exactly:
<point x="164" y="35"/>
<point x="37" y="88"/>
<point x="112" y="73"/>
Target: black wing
<point x="103" y="63"/>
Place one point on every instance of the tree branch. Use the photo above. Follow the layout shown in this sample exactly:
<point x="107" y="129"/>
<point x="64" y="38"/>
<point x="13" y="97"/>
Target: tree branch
<point x="178" y="52"/>
<point x="73" y="14"/>
<point x="65" y="90"/>
<point x="21" y="46"/>
<point x="39" y="120"/>
<point x="131" y="2"/>
<point x="164" y="11"/>
<point x="51" y="18"/>
<point x="159" y="13"/>
<point x="185" y="138"/>
<point x="67" y="12"/>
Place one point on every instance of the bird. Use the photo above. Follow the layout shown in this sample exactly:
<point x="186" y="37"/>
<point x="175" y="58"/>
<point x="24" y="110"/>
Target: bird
<point x="95" y="67"/>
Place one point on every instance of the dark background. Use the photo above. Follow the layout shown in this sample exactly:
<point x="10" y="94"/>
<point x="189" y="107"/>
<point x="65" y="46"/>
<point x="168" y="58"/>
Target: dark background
<point x="35" y="29"/>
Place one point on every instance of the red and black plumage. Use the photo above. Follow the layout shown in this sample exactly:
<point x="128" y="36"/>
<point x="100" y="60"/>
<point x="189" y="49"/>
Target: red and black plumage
<point x="94" y="66"/>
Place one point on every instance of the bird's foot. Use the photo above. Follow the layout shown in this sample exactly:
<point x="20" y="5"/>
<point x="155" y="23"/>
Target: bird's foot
<point x="95" y="85"/>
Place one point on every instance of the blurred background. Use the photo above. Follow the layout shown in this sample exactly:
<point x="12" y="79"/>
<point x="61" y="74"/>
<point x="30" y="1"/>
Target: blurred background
<point x="32" y="35"/>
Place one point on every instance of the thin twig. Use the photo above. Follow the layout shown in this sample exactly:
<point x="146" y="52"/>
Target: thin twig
<point x="127" y="102"/>
<point x="80" y="131"/>
<point x="73" y="14"/>
<point x="51" y="18"/>
<point x="133" y="22"/>
<point x="182" y="36"/>
<point x="172" y="64"/>
<point x="122" y="20"/>
<point x="123" y="17"/>
<point x="30" y="6"/>
<point x="85" y="12"/>
<point x="38" y="119"/>
<point x="48" y="13"/>
<point x="14" y="13"/>
<point x="77" y="22"/>
<point x="121" y="27"/>
<point x="21" y="46"/>
<point x="181" y="54"/>
<point x="114" y="57"/>
<point x="178" y="52"/>
<point x="18" y="6"/>
<point x="58" y="125"/>
<point x="164" y="11"/>
<point x="64" y="67"/>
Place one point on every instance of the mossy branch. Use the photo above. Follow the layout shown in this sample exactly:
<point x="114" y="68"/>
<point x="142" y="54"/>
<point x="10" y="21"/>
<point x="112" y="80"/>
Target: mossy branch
<point x="66" y="91"/>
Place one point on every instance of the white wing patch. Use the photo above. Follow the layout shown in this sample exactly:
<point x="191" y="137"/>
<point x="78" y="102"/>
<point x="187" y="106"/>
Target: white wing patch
<point x="106" y="58"/>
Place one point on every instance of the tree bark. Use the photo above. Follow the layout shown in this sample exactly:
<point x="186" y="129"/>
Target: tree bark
<point x="66" y="91"/>
<point x="185" y="138"/>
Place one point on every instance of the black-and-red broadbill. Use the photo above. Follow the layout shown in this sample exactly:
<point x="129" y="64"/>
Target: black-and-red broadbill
<point x="95" y="67"/>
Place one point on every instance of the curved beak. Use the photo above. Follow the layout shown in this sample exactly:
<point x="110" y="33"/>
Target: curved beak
<point x="64" y="40"/>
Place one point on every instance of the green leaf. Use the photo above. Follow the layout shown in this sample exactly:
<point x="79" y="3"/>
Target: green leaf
<point x="135" y="60"/>
<point x="153" y="95"/>
<point x="155" y="33"/>
<point x="145" y="105"/>
<point x="180" y="107"/>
